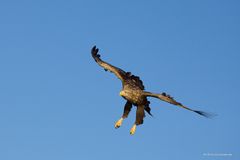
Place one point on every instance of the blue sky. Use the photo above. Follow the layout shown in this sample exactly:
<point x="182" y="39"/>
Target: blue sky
<point x="57" y="103"/>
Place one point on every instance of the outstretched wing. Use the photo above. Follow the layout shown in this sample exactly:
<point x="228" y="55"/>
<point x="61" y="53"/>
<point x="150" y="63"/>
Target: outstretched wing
<point x="108" y="67"/>
<point x="169" y="99"/>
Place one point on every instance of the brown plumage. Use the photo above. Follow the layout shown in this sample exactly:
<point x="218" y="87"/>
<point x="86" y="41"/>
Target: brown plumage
<point x="134" y="92"/>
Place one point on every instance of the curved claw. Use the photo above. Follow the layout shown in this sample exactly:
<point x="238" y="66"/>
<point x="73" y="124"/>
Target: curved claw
<point x="133" y="129"/>
<point x="118" y="123"/>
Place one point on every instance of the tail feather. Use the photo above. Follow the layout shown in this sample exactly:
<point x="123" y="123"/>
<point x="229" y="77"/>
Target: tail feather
<point x="148" y="110"/>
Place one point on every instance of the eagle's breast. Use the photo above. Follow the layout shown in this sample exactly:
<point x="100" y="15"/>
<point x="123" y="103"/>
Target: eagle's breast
<point x="134" y="96"/>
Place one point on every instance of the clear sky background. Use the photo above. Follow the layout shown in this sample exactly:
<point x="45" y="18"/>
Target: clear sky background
<point x="57" y="103"/>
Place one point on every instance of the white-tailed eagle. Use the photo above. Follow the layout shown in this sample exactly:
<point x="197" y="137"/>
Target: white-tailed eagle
<point x="134" y="93"/>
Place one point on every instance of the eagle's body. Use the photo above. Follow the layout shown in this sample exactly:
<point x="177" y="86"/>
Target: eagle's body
<point x="134" y="92"/>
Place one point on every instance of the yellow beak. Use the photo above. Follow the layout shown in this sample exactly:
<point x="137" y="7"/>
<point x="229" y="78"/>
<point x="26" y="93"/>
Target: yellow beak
<point x="121" y="93"/>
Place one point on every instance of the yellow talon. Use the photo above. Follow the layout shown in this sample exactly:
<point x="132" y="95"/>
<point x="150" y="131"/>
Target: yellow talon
<point x="119" y="123"/>
<point x="133" y="129"/>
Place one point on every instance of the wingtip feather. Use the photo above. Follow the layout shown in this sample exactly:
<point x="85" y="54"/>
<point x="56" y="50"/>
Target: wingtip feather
<point x="205" y="114"/>
<point x="94" y="50"/>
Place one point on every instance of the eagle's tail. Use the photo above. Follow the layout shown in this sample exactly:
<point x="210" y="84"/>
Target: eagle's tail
<point x="167" y="98"/>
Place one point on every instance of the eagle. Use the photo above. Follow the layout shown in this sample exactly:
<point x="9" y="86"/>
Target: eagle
<point x="133" y="91"/>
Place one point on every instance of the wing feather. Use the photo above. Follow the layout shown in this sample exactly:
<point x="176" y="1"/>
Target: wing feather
<point x="169" y="99"/>
<point x="107" y="67"/>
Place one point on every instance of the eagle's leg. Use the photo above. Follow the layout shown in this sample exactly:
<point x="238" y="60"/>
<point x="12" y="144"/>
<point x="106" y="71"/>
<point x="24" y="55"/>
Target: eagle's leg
<point x="127" y="109"/>
<point x="139" y="118"/>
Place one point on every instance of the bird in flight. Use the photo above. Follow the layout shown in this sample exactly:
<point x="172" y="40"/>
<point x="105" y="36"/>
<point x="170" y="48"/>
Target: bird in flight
<point x="133" y="91"/>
